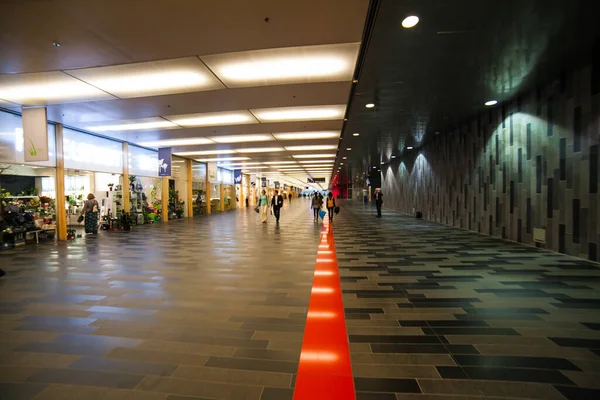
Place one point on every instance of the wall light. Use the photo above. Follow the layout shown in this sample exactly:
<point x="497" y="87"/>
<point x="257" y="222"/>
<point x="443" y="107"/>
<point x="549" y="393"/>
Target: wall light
<point x="410" y="21"/>
<point x="491" y="103"/>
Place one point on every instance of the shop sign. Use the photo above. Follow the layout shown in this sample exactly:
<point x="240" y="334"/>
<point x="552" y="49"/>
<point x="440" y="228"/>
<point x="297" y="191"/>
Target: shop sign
<point x="35" y="134"/>
<point x="276" y="184"/>
<point x="263" y="182"/>
<point x="164" y="161"/>
<point x="252" y="179"/>
<point x="213" y="174"/>
<point x="316" y="180"/>
<point x="237" y="176"/>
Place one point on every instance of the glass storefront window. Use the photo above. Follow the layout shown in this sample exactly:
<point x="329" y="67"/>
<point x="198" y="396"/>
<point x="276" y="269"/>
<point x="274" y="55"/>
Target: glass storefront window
<point x="199" y="188"/>
<point x="91" y="153"/>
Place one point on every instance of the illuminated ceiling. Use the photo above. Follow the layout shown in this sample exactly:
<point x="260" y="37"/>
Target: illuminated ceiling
<point x="262" y="83"/>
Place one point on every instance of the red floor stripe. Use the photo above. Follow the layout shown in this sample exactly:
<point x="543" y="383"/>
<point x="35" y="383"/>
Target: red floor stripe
<point x="325" y="371"/>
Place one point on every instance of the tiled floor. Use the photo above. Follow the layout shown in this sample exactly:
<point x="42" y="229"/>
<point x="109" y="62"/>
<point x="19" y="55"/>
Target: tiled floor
<point x="433" y="312"/>
<point x="215" y="308"/>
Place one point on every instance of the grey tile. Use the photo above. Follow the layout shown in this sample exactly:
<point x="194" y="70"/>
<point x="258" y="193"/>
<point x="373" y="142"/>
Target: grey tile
<point x="126" y="366"/>
<point x="20" y="391"/>
<point x="86" y="378"/>
<point x="253" y="364"/>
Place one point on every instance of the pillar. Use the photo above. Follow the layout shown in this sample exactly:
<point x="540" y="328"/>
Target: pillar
<point x="207" y="182"/>
<point x="222" y="196"/>
<point x="190" y="191"/>
<point x="126" y="200"/>
<point x="61" y="211"/>
<point x="165" y="199"/>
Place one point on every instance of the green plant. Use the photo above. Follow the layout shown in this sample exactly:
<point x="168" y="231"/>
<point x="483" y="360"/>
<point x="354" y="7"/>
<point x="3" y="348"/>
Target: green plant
<point x="32" y="150"/>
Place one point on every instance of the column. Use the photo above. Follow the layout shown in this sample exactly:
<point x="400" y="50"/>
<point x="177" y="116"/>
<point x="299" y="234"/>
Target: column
<point x="126" y="200"/>
<point x="207" y="191"/>
<point x="222" y="195"/>
<point x="61" y="211"/>
<point x="190" y="192"/>
<point x="165" y="199"/>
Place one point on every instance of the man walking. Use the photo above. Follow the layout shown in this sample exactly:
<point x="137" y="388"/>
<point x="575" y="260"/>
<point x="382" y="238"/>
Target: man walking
<point x="378" y="201"/>
<point x="277" y="203"/>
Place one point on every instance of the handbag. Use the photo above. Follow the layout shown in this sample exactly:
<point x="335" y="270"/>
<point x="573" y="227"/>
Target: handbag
<point x="322" y="214"/>
<point x="257" y="210"/>
<point x="336" y="210"/>
<point x="80" y="219"/>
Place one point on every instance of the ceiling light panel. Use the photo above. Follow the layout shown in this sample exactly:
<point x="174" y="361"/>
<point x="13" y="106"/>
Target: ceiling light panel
<point x="243" y="138"/>
<point x="309" y="113"/>
<point x="219" y="159"/>
<point x="306" y="64"/>
<point x="204" y="152"/>
<point x="176" y="142"/>
<point x="311" y="147"/>
<point x="279" y="162"/>
<point x="307" y="135"/>
<point x="316" y="161"/>
<point x="214" y="119"/>
<point x="140" y="124"/>
<point x="314" y="156"/>
<point x="151" y="78"/>
<point x="260" y="150"/>
<point x="318" y="165"/>
<point x="47" y="88"/>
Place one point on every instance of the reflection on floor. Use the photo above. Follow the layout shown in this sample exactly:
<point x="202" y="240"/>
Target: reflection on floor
<point x="215" y="308"/>
<point x="437" y="311"/>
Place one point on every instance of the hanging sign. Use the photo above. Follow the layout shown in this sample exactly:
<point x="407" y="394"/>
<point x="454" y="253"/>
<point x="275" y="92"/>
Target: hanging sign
<point x="276" y="184"/>
<point x="213" y="174"/>
<point x="263" y="181"/>
<point x="35" y="134"/>
<point x="237" y="176"/>
<point x="164" y="161"/>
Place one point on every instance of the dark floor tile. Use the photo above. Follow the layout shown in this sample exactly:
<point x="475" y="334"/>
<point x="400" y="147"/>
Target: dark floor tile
<point x="578" y="393"/>
<point x="394" y="339"/>
<point x="66" y="348"/>
<point x="516" y="361"/>
<point x="78" y="329"/>
<point x="97" y="340"/>
<point x="444" y="323"/>
<point x="506" y="310"/>
<point x="20" y="391"/>
<point x="423" y="348"/>
<point x="278" y="355"/>
<point x="253" y="364"/>
<point x="56" y="320"/>
<point x="516" y="375"/>
<point x="86" y="378"/>
<point x="574" y="342"/>
<point x="126" y="366"/>
<point x="363" y="310"/>
<point x="256" y="326"/>
<point x="470" y="331"/>
<point x="452" y="372"/>
<point x="592" y="325"/>
<point x="386" y="385"/>
<point x="509" y="316"/>
<point x="175" y="397"/>
<point x="223" y="341"/>
<point x="375" y="396"/>
<point x="277" y="394"/>
<point x="267" y="320"/>
<point x="358" y="316"/>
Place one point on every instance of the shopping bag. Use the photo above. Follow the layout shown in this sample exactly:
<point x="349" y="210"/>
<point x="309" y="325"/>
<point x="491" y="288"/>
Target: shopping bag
<point x="322" y="214"/>
<point x="257" y="210"/>
<point x="336" y="210"/>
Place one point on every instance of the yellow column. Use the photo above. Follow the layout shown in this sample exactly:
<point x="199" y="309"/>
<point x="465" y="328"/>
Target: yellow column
<point x="61" y="211"/>
<point x="251" y="201"/>
<point x="207" y="191"/>
<point x="190" y="192"/>
<point x="126" y="202"/>
<point x="222" y="195"/>
<point x="165" y="199"/>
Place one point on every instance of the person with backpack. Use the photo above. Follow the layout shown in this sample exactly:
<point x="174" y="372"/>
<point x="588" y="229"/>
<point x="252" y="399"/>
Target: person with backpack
<point x="330" y="206"/>
<point x="316" y="206"/>
<point x="277" y="203"/>
<point x="90" y="213"/>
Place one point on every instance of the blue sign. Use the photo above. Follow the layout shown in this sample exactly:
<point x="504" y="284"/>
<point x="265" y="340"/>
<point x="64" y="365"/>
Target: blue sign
<point x="237" y="176"/>
<point x="164" y="161"/>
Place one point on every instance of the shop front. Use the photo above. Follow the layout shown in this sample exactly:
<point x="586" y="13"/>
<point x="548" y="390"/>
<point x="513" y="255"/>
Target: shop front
<point x="145" y="194"/>
<point x="199" y="204"/>
<point x="27" y="189"/>
<point x="178" y="188"/>
<point x="228" y="191"/>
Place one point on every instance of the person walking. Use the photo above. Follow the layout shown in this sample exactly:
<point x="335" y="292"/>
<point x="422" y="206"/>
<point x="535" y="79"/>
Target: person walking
<point x="378" y="201"/>
<point x="277" y="203"/>
<point x="330" y="205"/>
<point x="263" y="203"/>
<point x="90" y="213"/>
<point x="316" y="206"/>
<point x="290" y="198"/>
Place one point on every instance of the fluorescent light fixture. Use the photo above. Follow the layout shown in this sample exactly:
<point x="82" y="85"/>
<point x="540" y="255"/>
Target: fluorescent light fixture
<point x="307" y="135"/>
<point x="265" y="137"/>
<point x="344" y="158"/>
<point x="369" y="105"/>
<point x="260" y="150"/>
<point x="256" y="166"/>
<point x="341" y="163"/>
<point x="410" y="21"/>
<point x="151" y="78"/>
<point x="279" y="162"/>
<point x="176" y="142"/>
<point x="222" y="159"/>
<point x="239" y="164"/>
<point x="309" y="113"/>
<point x="47" y="88"/>
<point x="393" y="156"/>
<point x="382" y="163"/>
<point x="348" y="148"/>
<point x="315" y="161"/>
<point x="291" y="169"/>
<point x="311" y="147"/>
<point x="134" y="125"/>
<point x="306" y="64"/>
<point x="487" y="103"/>
<point x="314" y="156"/>
<point x="409" y="147"/>
<point x="356" y="134"/>
<point x="203" y="152"/>
<point x="318" y="165"/>
<point x="214" y="119"/>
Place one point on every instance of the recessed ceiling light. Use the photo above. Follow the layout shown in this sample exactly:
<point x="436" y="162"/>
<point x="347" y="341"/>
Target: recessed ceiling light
<point x="348" y="148"/>
<point x="135" y="125"/>
<point x="314" y="155"/>
<point x="343" y="158"/>
<point x="393" y="156"/>
<point x="55" y="44"/>
<point x="382" y="163"/>
<point x="491" y="102"/>
<point x="243" y="138"/>
<point x="370" y="105"/>
<point x="309" y="113"/>
<point x="317" y="165"/>
<point x="355" y="81"/>
<point x="409" y="147"/>
<point x="356" y="134"/>
<point x="311" y="161"/>
<point x="279" y="162"/>
<point x="341" y="163"/>
<point x="307" y="135"/>
<point x="374" y="167"/>
<point x="204" y="152"/>
<point x="260" y="150"/>
<point x="311" y="147"/>
<point x="410" y="21"/>
<point x="176" y="142"/>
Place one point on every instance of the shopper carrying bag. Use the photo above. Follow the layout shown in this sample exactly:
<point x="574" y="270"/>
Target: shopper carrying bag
<point x="90" y="212"/>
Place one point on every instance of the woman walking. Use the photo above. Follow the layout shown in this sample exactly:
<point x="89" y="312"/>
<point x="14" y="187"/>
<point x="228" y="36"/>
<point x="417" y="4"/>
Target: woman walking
<point x="263" y="203"/>
<point x="316" y="206"/>
<point x="330" y="206"/>
<point x="90" y="212"/>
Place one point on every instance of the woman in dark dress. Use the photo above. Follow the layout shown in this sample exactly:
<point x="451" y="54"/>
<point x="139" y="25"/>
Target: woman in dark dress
<point x="90" y="212"/>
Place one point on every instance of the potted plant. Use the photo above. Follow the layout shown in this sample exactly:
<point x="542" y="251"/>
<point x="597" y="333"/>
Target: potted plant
<point x="71" y="234"/>
<point x="110" y="186"/>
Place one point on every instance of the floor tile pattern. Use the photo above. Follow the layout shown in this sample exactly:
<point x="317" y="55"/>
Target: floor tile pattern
<point x="212" y="308"/>
<point x="439" y="313"/>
